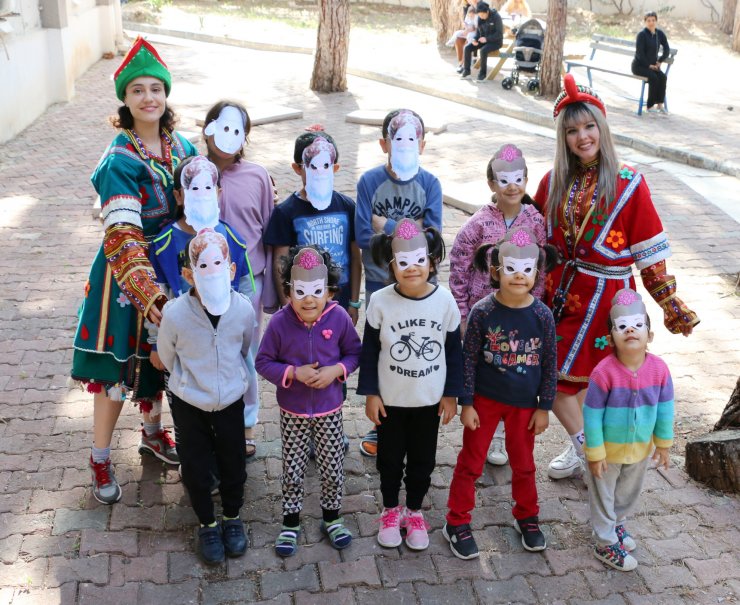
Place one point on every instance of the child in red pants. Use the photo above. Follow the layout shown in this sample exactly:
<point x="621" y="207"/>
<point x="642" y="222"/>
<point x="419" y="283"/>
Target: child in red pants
<point x="510" y="373"/>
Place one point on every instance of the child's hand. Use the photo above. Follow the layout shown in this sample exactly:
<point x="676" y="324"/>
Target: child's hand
<point x="661" y="457"/>
<point x="469" y="417"/>
<point x="447" y="409"/>
<point x="354" y="315"/>
<point x="378" y="223"/>
<point x="597" y="468"/>
<point x="539" y="421"/>
<point x="156" y="361"/>
<point x="306" y="373"/>
<point x="155" y="315"/>
<point x="374" y="409"/>
<point x="325" y="376"/>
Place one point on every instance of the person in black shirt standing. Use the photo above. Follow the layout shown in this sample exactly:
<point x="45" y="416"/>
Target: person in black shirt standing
<point x="646" y="62"/>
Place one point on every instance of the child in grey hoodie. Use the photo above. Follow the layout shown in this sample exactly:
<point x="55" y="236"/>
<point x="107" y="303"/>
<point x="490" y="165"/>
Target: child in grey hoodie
<point x="203" y="340"/>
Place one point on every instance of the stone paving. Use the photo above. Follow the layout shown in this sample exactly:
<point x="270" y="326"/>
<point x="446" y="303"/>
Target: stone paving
<point x="58" y="545"/>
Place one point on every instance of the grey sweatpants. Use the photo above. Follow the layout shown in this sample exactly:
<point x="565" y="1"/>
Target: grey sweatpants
<point x="613" y="497"/>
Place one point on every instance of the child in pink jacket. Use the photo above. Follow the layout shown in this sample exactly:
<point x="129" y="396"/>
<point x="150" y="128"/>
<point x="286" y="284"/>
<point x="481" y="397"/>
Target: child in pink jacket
<point x="510" y="206"/>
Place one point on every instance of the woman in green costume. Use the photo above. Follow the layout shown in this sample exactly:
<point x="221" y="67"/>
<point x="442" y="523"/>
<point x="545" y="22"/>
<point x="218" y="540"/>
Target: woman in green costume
<point x="122" y="300"/>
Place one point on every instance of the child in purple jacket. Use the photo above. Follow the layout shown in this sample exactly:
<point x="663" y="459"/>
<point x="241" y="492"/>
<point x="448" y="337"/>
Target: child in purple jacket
<point x="309" y="349"/>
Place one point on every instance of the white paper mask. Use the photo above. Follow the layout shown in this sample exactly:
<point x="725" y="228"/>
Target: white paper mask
<point x="319" y="180"/>
<point x="404" y="260"/>
<point x="623" y="323"/>
<point x="516" y="177"/>
<point x="227" y="130"/>
<point x="201" y="198"/>
<point x="300" y="289"/>
<point x="405" y="152"/>
<point x="511" y="265"/>
<point x="212" y="276"/>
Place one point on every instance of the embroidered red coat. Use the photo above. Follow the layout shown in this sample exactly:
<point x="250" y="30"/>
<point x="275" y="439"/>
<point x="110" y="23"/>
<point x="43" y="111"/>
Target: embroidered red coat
<point x="629" y="233"/>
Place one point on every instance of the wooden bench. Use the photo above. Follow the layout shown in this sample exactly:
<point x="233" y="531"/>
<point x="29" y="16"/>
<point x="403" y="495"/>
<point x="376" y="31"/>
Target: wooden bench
<point x="609" y="44"/>
<point x="502" y="56"/>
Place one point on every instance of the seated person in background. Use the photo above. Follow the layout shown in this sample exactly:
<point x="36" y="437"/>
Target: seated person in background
<point x="489" y="37"/>
<point x="647" y="64"/>
<point x="464" y="36"/>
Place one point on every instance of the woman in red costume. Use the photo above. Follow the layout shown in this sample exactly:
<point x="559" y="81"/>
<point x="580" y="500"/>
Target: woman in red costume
<point x="600" y="216"/>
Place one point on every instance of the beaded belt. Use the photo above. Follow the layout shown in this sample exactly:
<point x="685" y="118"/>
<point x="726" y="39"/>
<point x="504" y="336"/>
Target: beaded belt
<point x="578" y="266"/>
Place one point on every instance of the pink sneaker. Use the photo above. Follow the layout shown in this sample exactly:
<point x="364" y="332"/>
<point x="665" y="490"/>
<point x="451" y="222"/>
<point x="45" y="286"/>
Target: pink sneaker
<point x="416" y="527"/>
<point x="389" y="534"/>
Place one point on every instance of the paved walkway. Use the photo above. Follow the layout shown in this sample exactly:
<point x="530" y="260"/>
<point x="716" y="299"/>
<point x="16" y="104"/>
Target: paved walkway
<point x="58" y="545"/>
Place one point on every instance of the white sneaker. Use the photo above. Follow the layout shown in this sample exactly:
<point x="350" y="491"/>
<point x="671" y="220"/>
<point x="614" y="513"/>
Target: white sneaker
<point x="567" y="464"/>
<point x="498" y="456"/>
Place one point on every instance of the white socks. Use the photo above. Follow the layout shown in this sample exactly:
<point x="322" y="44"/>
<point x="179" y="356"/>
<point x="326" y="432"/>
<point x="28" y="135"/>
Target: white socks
<point x="578" y="439"/>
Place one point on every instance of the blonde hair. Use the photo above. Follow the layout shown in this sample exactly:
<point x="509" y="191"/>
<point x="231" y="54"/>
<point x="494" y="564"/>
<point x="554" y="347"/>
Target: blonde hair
<point x="566" y="162"/>
<point x="519" y="7"/>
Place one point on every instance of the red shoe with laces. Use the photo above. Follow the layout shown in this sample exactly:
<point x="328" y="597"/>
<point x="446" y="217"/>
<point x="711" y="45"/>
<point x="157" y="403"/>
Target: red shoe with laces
<point x="105" y="487"/>
<point x="159" y="445"/>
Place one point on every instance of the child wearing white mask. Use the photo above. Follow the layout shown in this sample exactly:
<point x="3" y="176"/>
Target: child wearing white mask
<point x="203" y="341"/>
<point x="318" y="215"/>
<point x="246" y="200"/>
<point x="395" y="190"/>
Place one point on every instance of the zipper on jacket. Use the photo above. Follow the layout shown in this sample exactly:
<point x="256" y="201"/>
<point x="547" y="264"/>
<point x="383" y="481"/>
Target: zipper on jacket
<point x="310" y="361"/>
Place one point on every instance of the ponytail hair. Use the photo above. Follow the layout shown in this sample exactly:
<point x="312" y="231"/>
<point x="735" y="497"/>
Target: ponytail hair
<point x="487" y="257"/>
<point x="382" y="252"/>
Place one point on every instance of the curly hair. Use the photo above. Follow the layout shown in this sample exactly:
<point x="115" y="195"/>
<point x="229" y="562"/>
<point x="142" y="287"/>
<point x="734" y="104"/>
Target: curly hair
<point x="334" y="271"/>
<point x="382" y="253"/>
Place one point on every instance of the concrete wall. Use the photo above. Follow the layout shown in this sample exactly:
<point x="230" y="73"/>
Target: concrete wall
<point x="51" y="44"/>
<point x="685" y="9"/>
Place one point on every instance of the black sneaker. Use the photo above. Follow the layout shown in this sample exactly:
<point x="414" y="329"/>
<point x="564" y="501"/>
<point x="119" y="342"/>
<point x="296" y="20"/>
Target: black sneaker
<point x="462" y="543"/>
<point x="481" y="76"/>
<point x="532" y="537"/>
<point x="234" y="538"/>
<point x="465" y="74"/>
<point x="210" y="545"/>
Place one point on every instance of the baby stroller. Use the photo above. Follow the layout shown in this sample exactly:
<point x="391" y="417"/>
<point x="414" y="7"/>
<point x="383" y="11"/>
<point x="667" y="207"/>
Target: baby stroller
<point x="530" y="39"/>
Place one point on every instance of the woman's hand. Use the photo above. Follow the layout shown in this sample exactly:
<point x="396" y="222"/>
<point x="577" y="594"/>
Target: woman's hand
<point x="155" y="315"/>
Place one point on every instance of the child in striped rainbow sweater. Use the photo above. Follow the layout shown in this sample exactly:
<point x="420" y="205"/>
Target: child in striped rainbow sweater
<point x="628" y="410"/>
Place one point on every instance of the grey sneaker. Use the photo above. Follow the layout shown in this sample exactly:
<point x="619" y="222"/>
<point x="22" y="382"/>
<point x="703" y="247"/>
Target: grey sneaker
<point x="105" y="487"/>
<point x="159" y="445"/>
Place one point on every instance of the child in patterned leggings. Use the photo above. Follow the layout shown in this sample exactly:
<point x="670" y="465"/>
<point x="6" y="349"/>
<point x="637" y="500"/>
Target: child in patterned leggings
<point x="309" y="349"/>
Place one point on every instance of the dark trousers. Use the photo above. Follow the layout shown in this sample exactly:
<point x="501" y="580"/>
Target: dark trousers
<point x="656" y="83"/>
<point x="484" y="49"/>
<point x="206" y="440"/>
<point x="409" y="433"/>
<point x="472" y="457"/>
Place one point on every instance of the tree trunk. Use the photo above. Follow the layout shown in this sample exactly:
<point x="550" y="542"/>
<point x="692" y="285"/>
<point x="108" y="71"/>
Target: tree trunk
<point x="714" y="459"/>
<point x="728" y="16"/>
<point x="552" y="57"/>
<point x="447" y="17"/>
<point x="736" y="30"/>
<point x="730" y="418"/>
<point x="332" y="47"/>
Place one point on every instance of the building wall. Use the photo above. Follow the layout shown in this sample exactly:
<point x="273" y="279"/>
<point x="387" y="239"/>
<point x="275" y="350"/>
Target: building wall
<point x="51" y="44"/>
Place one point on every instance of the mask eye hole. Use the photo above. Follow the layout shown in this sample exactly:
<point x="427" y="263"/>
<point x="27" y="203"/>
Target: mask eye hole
<point x="318" y="292"/>
<point x="527" y="271"/>
<point x="299" y="292"/>
<point x="226" y="129"/>
<point x="236" y="132"/>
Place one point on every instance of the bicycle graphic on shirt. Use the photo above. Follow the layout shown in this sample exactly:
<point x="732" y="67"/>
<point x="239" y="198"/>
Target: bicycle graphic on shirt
<point x="428" y="349"/>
